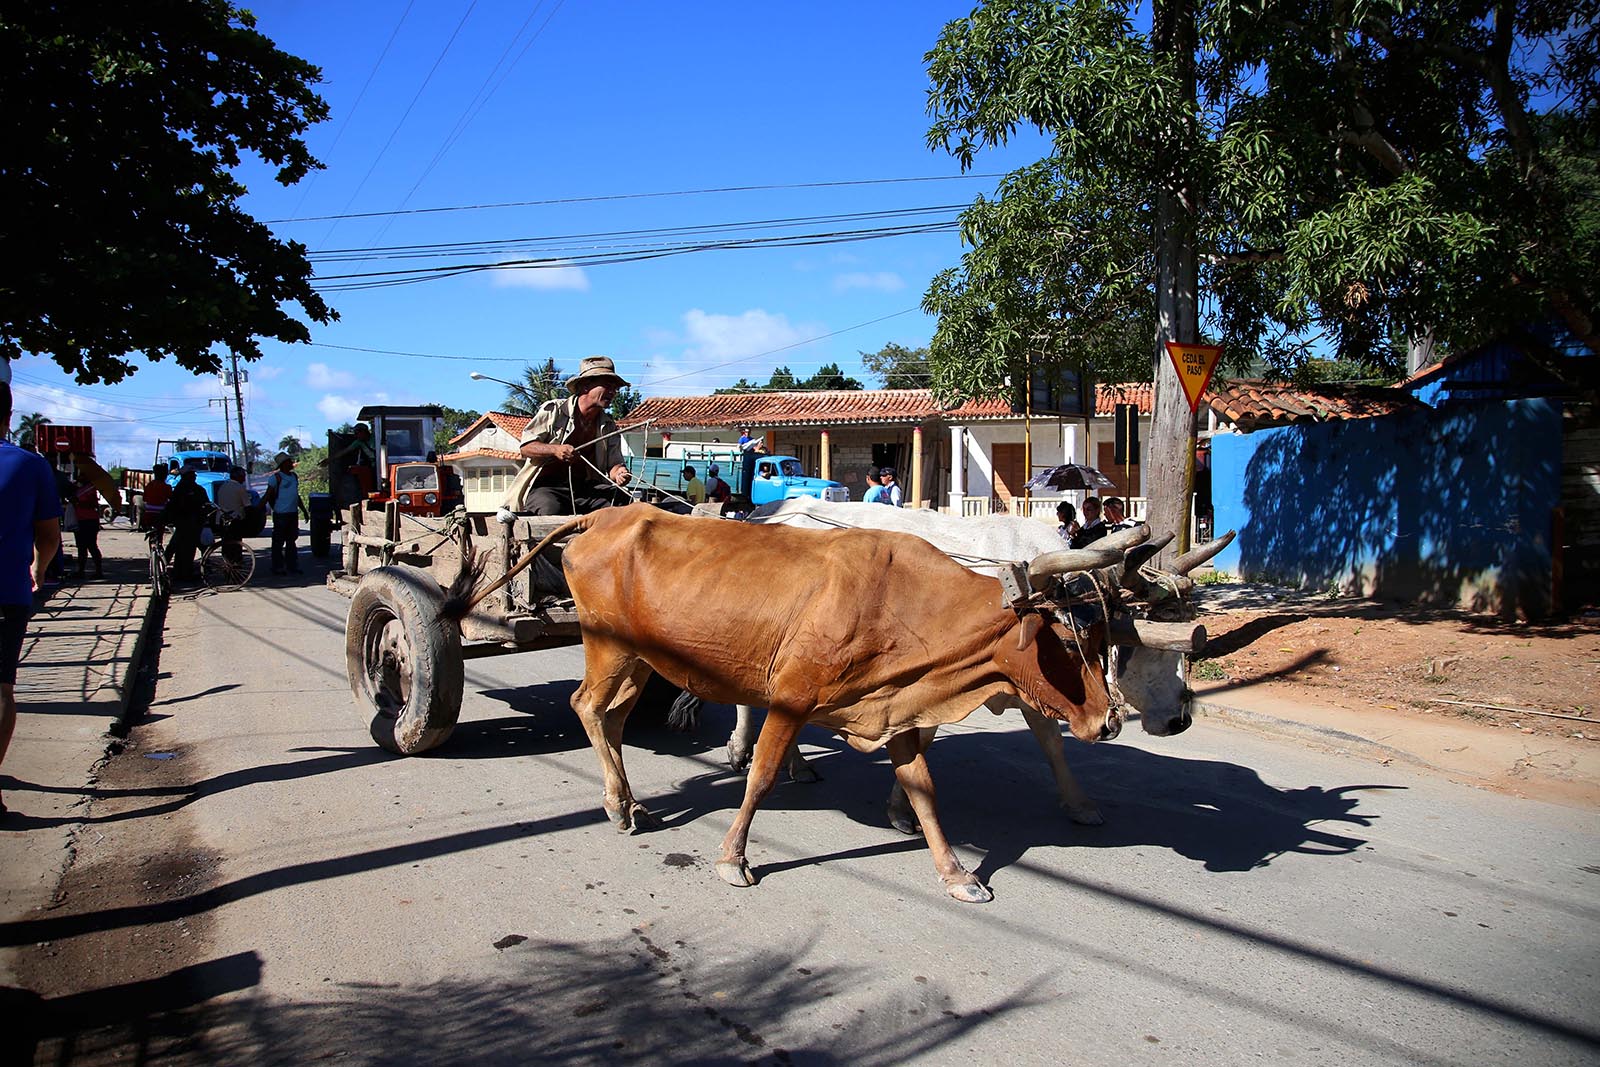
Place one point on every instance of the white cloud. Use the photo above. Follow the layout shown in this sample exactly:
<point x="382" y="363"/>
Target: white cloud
<point x="883" y="281"/>
<point x="322" y="376"/>
<point x="338" y="409"/>
<point x="265" y="374"/>
<point x="713" y="337"/>
<point x="206" y="387"/>
<point x="562" y="276"/>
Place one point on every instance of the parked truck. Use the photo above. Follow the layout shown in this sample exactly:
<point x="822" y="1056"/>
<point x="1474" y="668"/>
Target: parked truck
<point x="211" y="462"/>
<point x="756" y="477"/>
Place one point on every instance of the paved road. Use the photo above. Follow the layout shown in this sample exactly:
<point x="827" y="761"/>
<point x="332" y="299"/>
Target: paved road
<point x="1250" y="899"/>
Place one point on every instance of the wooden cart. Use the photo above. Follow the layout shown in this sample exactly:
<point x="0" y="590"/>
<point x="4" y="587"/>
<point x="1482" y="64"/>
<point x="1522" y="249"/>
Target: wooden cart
<point x="405" y="664"/>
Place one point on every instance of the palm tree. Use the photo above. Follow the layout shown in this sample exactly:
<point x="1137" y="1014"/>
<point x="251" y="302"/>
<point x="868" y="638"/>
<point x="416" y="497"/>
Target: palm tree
<point x="28" y="428"/>
<point x="537" y="384"/>
<point x="291" y="444"/>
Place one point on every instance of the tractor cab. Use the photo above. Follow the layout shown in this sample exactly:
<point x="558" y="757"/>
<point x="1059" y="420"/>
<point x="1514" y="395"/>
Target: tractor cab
<point x="408" y="469"/>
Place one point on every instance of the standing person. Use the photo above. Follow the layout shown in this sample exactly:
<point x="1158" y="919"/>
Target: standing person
<point x="694" y="490"/>
<point x="30" y="534"/>
<point x="875" y="493"/>
<point x="283" y="497"/>
<point x="1067" y="521"/>
<point x="891" y="488"/>
<point x="186" y="514"/>
<point x="86" y="505"/>
<point x="717" y="490"/>
<point x="572" y="450"/>
<point x="1093" y="528"/>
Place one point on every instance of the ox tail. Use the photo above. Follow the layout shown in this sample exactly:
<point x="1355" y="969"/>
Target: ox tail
<point x="685" y="714"/>
<point x="458" y="604"/>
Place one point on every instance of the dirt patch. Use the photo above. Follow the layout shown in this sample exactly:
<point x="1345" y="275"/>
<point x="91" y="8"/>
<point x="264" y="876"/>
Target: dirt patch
<point x="1377" y="656"/>
<point x="110" y="966"/>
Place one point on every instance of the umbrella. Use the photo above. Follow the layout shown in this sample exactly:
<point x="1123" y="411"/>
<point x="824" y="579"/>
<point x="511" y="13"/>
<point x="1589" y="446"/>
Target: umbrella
<point x="1070" y="476"/>
<point x="98" y="477"/>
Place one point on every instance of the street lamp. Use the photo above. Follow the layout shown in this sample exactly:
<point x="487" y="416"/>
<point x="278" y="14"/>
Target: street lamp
<point x="477" y="377"/>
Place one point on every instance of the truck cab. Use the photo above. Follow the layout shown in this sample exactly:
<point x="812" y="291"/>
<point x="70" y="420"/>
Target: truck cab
<point x="766" y="479"/>
<point x="410" y="472"/>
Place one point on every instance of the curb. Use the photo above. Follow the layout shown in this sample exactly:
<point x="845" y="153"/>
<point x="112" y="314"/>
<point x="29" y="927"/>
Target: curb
<point x="136" y="659"/>
<point x="1322" y="735"/>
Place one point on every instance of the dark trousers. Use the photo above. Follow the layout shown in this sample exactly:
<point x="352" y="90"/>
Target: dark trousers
<point x="551" y="500"/>
<point x="184" y="544"/>
<point x="285" y="528"/>
<point x="87" y="538"/>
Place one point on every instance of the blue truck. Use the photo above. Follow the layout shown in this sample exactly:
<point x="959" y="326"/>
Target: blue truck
<point x="759" y="478"/>
<point x="210" y="464"/>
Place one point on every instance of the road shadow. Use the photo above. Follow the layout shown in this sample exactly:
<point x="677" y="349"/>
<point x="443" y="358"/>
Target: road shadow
<point x="624" y="1000"/>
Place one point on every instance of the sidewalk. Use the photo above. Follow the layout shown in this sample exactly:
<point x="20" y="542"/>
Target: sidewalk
<point x="77" y="677"/>
<point x="1556" y="769"/>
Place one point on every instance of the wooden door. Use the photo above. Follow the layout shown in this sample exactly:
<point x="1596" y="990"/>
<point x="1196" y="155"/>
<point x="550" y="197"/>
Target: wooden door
<point x="1127" y="479"/>
<point x="1009" y="473"/>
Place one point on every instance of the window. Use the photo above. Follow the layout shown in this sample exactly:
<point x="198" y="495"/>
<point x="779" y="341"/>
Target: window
<point x="416" y="478"/>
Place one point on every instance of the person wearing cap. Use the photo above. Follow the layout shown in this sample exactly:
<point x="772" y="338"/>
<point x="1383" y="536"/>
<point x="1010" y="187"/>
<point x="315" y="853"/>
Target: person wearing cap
<point x="572" y="452"/>
<point x="891" y="488"/>
<point x="694" y="490"/>
<point x="156" y="494"/>
<point x="717" y="490"/>
<point x="283" y="497"/>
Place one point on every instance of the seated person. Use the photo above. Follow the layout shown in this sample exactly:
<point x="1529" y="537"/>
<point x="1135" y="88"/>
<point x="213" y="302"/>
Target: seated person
<point x="694" y="490"/>
<point x="572" y="450"/>
<point x="156" y="495"/>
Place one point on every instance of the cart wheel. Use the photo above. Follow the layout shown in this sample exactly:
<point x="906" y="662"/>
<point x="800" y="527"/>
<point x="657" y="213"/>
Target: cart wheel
<point x="321" y="536"/>
<point x="404" y="661"/>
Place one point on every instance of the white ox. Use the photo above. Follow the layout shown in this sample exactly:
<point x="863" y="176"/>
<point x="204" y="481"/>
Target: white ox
<point x="1150" y="680"/>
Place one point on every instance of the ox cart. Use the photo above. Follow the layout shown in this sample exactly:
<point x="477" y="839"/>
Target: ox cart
<point x="404" y="663"/>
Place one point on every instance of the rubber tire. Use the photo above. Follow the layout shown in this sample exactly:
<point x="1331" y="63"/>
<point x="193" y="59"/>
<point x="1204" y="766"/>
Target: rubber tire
<point x="410" y="599"/>
<point x="321" y="536"/>
<point x="255" y="520"/>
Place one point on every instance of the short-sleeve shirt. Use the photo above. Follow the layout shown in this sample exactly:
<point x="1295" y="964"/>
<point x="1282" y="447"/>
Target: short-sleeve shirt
<point x="695" y="490"/>
<point x="876" y="494"/>
<point x="28" y="490"/>
<point x="556" y="423"/>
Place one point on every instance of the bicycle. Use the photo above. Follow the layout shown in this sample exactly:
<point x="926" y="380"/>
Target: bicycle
<point x="160" y="577"/>
<point x="227" y="562"/>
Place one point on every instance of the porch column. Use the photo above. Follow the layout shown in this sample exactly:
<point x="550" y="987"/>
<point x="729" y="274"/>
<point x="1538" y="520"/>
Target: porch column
<point x="916" y="466"/>
<point x="827" y="458"/>
<point x="958" y="469"/>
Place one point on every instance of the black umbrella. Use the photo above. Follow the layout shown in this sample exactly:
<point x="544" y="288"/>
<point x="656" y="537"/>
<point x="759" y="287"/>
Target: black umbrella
<point x="1070" y="476"/>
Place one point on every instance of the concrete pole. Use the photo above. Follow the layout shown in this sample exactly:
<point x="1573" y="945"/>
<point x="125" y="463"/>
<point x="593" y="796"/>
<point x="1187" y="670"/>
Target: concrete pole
<point x="958" y="470"/>
<point x="916" y="466"/>
<point x="827" y="458"/>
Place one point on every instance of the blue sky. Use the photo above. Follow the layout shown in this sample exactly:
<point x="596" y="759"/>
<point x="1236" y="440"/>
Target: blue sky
<point x="604" y="100"/>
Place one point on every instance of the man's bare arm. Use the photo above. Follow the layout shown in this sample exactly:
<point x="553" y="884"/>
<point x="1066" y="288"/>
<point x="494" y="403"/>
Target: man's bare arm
<point x="544" y="450"/>
<point x="46" y="541"/>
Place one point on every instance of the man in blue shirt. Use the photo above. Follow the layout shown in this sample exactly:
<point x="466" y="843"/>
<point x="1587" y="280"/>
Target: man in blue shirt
<point x="30" y="534"/>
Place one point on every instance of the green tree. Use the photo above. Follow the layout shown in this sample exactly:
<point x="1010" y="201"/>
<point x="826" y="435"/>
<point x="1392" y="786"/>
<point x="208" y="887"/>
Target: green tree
<point x="455" y="421"/>
<point x="123" y="126"/>
<point x="537" y="383"/>
<point x="252" y="454"/>
<point x="291" y="444"/>
<point x="626" y="400"/>
<point x="1330" y="180"/>
<point x="898" y="367"/>
<point x="28" y="428"/>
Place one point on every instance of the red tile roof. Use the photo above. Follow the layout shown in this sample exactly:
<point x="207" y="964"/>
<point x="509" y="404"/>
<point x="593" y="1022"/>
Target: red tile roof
<point x="511" y="424"/>
<point x="480" y="453"/>
<point x="1253" y="405"/>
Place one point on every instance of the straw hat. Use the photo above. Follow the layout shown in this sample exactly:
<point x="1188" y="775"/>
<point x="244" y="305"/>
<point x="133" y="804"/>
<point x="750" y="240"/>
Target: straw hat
<point x="592" y="370"/>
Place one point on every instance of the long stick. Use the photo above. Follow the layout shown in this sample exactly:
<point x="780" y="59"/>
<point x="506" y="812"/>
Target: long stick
<point x="1513" y="711"/>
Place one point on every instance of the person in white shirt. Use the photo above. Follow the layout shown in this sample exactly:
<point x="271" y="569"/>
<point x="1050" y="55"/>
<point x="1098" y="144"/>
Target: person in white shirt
<point x="891" y="488"/>
<point x="283" y="495"/>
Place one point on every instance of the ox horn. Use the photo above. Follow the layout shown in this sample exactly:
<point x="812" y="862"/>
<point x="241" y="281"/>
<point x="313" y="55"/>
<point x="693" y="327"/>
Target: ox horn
<point x="1185" y="637"/>
<point x="1048" y="565"/>
<point x="1139" y="555"/>
<point x="1124" y="539"/>
<point x="1196" y="556"/>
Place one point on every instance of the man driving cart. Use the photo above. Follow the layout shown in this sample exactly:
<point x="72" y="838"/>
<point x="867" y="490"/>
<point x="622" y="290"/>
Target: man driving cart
<point x="572" y="450"/>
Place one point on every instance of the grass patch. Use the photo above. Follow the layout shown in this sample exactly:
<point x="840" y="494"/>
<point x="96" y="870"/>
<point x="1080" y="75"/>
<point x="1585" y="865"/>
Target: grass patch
<point x="1214" y="578"/>
<point x="1209" y="670"/>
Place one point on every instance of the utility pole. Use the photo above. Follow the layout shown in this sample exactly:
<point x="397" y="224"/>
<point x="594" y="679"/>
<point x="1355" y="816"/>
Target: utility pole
<point x="227" y="431"/>
<point x="238" y="406"/>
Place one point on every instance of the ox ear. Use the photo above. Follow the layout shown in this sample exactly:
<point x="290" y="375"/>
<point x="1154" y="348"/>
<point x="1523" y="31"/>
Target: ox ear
<point x="1028" y="631"/>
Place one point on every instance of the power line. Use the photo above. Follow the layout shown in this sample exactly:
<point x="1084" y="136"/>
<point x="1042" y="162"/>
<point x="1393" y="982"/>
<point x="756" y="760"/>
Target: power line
<point x="407" y="114"/>
<point x="633" y="196"/>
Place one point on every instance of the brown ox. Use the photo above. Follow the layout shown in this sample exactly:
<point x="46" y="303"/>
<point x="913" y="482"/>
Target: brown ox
<point x="876" y="635"/>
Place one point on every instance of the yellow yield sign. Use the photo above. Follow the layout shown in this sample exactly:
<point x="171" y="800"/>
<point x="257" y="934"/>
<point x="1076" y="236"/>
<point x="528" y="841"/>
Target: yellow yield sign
<point x="1195" y="365"/>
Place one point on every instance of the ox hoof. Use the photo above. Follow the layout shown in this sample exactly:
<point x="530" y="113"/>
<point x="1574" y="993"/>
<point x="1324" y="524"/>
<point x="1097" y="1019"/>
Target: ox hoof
<point x="738" y="759"/>
<point x="801" y="771"/>
<point x="736" y="874"/>
<point x="970" y="893"/>
<point x="631" y="820"/>
<point x="905" y="822"/>
<point x="1087" y="816"/>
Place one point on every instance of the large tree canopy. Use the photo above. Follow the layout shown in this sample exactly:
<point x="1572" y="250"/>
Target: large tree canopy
<point x="122" y="125"/>
<point x="1345" y="176"/>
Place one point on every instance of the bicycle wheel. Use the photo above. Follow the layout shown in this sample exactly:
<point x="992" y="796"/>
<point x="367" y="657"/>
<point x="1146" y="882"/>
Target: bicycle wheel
<point x="219" y="571"/>
<point x="159" y="583"/>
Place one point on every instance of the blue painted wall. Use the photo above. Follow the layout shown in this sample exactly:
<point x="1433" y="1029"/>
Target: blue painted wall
<point x="1449" y="507"/>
